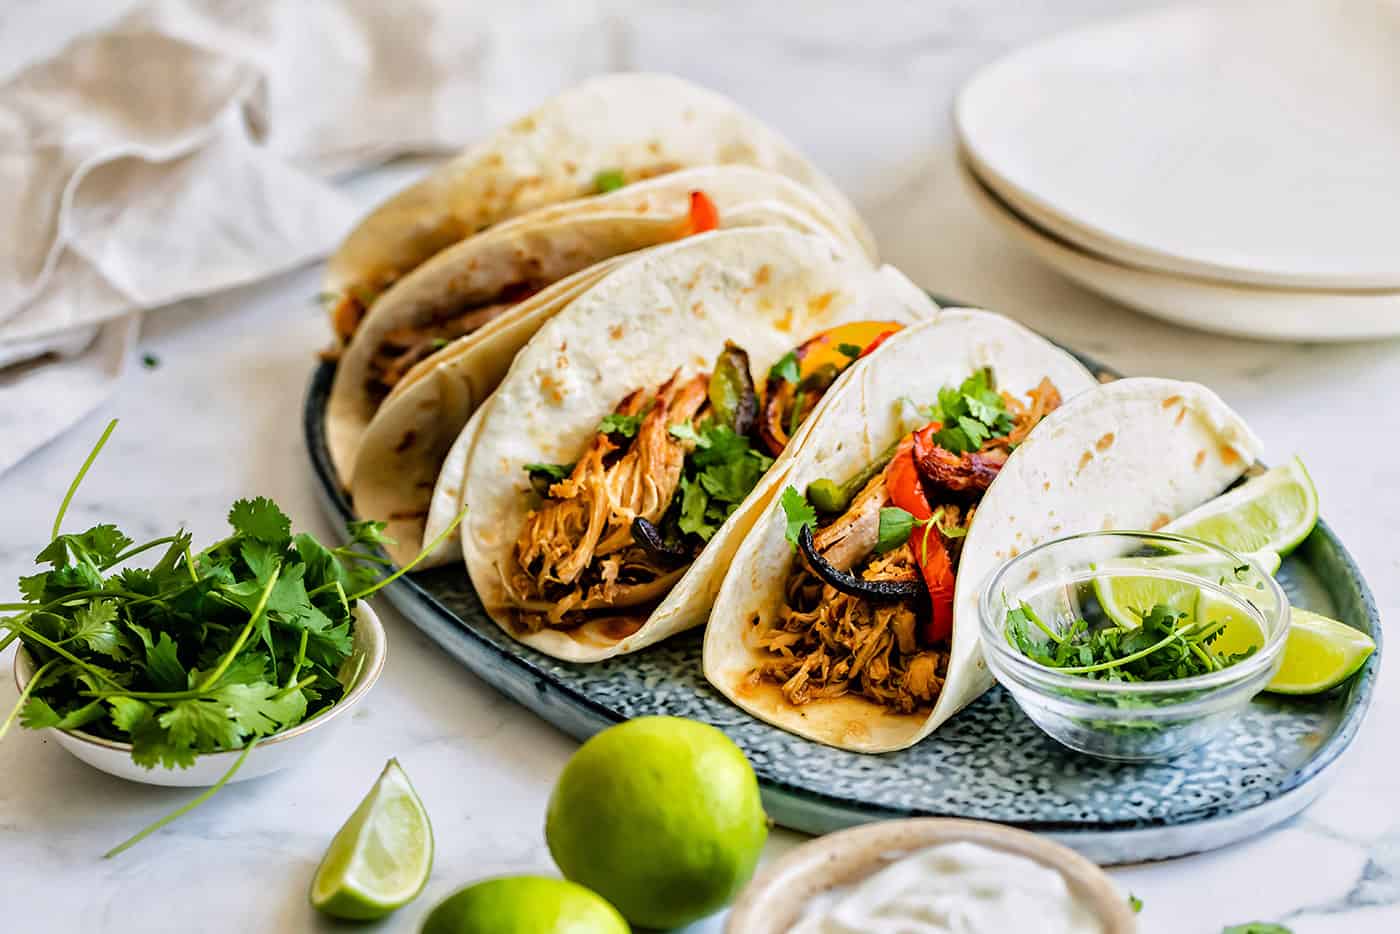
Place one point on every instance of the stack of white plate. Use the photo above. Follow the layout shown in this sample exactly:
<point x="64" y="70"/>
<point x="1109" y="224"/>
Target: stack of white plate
<point x="1234" y="167"/>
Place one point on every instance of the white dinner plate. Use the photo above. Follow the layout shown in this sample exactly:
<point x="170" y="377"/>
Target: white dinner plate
<point x="1254" y="142"/>
<point x="1239" y="310"/>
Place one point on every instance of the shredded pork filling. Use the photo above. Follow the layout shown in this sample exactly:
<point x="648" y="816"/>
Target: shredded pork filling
<point x="825" y="643"/>
<point x="576" y="554"/>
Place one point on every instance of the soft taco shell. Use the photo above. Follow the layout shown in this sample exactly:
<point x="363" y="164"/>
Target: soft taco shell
<point x="670" y="309"/>
<point x="542" y="248"/>
<point x="641" y="125"/>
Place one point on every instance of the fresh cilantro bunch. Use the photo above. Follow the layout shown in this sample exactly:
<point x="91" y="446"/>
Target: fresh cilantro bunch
<point x="718" y="475"/>
<point x="970" y="414"/>
<point x="1165" y="646"/>
<point x="196" y="652"/>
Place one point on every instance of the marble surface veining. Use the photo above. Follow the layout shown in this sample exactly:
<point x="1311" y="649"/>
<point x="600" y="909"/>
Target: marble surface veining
<point x="865" y="90"/>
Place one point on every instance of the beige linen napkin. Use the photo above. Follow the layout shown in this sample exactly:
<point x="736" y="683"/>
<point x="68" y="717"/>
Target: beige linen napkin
<point x="188" y="148"/>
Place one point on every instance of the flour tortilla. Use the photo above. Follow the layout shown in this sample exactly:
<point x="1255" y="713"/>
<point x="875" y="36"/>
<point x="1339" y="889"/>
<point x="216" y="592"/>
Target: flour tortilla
<point x="641" y="125"/>
<point x="398" y="470"/>
<point x="1130" y="454"/>
<point x="544" y="247"/>
<point x="671" y="309"/>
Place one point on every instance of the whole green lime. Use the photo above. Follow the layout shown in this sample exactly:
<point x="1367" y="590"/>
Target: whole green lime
<point x="524" y="905"/>
<point x="661" y="816"/>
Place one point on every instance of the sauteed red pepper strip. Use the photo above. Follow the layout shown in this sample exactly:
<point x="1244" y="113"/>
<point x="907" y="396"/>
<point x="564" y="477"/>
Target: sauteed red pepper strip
<point x="703" y="213"/>
<point x="930" y="551"/>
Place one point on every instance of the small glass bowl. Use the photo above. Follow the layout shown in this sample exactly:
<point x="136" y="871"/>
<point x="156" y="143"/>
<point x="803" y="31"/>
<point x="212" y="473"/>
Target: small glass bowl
<point x="1143" y="720"/>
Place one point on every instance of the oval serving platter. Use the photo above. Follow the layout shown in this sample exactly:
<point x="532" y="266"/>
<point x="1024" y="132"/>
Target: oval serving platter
<point x="987" y="763"/>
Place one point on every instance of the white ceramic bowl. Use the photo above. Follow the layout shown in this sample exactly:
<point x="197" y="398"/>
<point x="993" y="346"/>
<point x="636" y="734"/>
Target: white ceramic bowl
<point x="776" y="898"/>
<point x="1210" y="305"/>
<point x="272" y="754"/>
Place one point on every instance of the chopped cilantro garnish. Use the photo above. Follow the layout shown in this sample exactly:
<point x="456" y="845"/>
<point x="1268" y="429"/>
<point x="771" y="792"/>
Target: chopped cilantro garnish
<point x="971" y="413"/>
<point x="624" y="425"/>
<point x="850" y="350"/>
<point x="554" y="472"/>
<point x="1134" y="903"/>
<point x="798" y="513"/>
<point x="718" y="475"/>
<point x="1257" y="927"/>
<point x="1164" y="646"/>
<point x="786" y="369"/>
<point x="150" y="361"/>
<point x="609" y="180"/>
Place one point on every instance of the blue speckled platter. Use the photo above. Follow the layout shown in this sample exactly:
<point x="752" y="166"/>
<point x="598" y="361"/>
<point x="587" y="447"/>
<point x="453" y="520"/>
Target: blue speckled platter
<point x="989" y="762"/>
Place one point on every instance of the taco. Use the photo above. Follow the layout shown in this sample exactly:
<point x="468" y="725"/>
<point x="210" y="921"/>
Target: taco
<point x="496" y="274"/>
<point x="849" y="613"/>
<point x="620" y="460"/>
<point x="608" y="131"/>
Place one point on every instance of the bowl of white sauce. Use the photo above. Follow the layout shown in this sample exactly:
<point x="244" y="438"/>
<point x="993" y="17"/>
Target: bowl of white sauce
<point x="932" y="876"/>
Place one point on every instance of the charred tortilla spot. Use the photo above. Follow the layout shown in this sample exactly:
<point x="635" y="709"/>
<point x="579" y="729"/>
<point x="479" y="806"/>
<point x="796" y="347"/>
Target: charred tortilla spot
<point x="1170" y="401"/>
<point x="1161" y="520"/>
<point x="1229" y="455"/>
<point x="698" y="309"/>
<point x="762" y="275"/>
<point x="406" y="441"/>
<point x="1084" y="460"/>
<point x="1200" y="458"/>
<point x="1104" y="443"/>
<point x="820" y="303"/>
<point x="1181" y="415"/>
<point x="616" y="332"/>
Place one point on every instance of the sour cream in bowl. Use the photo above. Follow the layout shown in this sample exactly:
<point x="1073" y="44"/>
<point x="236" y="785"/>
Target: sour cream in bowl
<point x="932" y="876"/>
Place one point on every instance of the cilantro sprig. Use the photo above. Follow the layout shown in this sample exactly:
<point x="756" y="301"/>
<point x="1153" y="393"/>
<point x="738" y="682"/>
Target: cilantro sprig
<point x="970" y="414"/>
<point x="1166" y="645"/>
<point x="197" y="652"/>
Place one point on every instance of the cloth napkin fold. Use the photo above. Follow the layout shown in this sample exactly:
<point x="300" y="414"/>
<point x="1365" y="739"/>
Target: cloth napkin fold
<point x="191" y="146"/>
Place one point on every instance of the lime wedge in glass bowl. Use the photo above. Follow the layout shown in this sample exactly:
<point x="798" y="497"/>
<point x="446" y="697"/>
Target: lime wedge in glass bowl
<point x="1320" y="654"/>
<point x="1273" y="512"/>
<point x="1125" y="596"/>
<point x="380" y="860"/>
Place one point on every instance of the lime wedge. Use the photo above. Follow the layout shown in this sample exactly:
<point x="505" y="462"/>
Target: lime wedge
<point x="1125" y="597"/>
<point x="1272" y="512"/>
<point x="1320" y="654"/>
<point x="380" y="859"/>
<point x="1241" y="632"/>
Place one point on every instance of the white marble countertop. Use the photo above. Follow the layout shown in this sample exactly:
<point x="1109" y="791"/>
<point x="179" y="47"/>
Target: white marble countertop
<point x="866" y="94"/>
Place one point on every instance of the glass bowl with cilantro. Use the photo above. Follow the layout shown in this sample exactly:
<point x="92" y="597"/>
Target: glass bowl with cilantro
<point x="1132" y="645"/>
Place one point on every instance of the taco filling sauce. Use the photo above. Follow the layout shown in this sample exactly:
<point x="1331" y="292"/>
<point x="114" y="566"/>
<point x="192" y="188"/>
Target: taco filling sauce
<point x="868" y="603"/>
<point x="615" y="530"/>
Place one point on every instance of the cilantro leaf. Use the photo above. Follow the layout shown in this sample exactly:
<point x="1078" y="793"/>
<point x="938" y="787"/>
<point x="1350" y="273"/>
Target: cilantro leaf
<point x="368" y="532"/>
<point x="895" y="526"/>
<point x="1134" y="903"/>
<point x="261" y="708"/>
<point x="617" y="424"/>
<point x="551" y="472"/>
<point x="38" y="715"/>
<point x="798" y="513"/>
<point x="95" y="626"/>
<point x="609" y="180"/>
<point x="260" y="519"/>
<point x="200" y="724"/>
<point x="694" y="501"/>
<point x="1257" y="927"/>
<point x="786" y="369"/>
<point x="850" y="350"/>
<point x="683" y="431"/>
